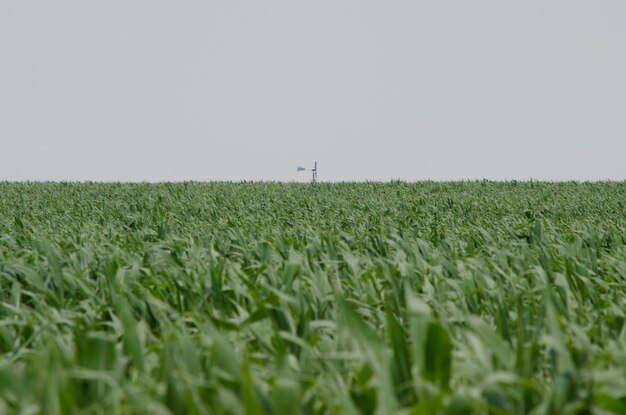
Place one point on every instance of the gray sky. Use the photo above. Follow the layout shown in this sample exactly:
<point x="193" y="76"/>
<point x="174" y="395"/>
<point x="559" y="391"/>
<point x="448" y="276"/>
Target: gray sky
<point x="230" y="90"/>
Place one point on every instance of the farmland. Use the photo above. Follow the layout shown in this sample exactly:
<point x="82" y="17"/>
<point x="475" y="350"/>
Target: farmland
<point x="416" y="298"/>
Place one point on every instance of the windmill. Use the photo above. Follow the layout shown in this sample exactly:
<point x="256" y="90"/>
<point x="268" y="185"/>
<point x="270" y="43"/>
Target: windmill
<point x="313" y="170"/>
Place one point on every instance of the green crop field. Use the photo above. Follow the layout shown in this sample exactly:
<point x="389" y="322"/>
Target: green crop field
<point x="267" y="298"/>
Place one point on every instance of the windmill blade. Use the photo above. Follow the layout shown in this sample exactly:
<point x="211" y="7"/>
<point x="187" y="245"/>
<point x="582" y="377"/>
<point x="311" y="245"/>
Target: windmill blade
<point x="300" y="168"/>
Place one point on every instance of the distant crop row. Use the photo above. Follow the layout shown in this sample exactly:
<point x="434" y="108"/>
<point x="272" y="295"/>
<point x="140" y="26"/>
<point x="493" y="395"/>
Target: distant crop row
<point x="268" y="298"/>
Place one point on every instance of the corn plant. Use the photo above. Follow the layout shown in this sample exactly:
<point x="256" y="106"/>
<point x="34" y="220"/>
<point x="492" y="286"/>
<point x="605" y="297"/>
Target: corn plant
<point x="349" y="298"/>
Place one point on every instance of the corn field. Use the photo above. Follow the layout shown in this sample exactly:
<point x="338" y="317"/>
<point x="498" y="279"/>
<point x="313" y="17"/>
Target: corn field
<point x="349" y="298"/>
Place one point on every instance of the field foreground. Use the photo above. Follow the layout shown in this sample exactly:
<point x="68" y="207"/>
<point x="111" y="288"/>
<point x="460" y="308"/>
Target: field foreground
<point x="421" y="298"/>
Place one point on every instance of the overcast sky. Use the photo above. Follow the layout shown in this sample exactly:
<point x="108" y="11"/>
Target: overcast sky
<point x="247" y="90"/>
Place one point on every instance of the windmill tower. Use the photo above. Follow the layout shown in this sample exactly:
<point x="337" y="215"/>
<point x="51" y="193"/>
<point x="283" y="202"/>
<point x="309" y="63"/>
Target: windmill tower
<point x="313" y="171"/>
